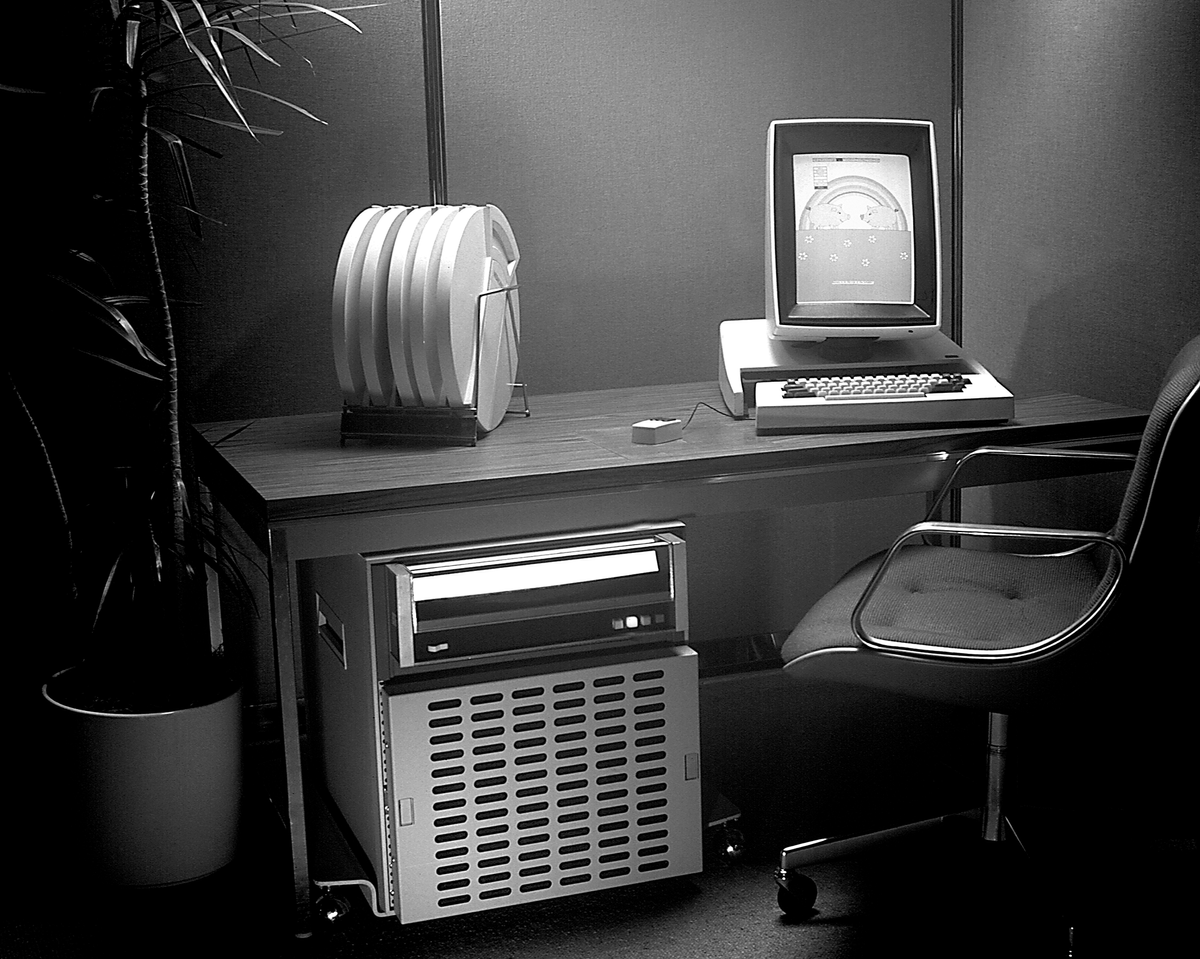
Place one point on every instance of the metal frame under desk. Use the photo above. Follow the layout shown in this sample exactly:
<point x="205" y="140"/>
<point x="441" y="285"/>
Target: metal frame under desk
<point x="298" y="494"/>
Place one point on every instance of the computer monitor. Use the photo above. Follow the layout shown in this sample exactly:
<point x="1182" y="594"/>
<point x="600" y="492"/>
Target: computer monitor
<point x="853" y="241"/>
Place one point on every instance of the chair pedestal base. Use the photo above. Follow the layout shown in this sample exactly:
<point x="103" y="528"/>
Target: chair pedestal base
<point x="797" y="893"/>
<point x="835" y="847"/>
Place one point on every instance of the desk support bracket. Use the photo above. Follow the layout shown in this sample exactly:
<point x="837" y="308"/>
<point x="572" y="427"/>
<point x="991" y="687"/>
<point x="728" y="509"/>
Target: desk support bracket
<point x="284" y="617"/>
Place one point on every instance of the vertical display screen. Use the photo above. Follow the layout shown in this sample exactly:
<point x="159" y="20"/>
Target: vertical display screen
<point x="853" y="228"/>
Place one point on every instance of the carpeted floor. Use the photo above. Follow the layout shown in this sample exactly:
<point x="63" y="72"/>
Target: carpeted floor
<point x="939" y="895"/>
<point x="1130" y="882"/>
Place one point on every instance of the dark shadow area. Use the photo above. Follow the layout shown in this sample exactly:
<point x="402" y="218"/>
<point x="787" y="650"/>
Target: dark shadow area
<point x="944" y="894"/>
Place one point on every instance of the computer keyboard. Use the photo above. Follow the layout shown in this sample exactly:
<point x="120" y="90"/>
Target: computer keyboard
<point x="894" y="398"/>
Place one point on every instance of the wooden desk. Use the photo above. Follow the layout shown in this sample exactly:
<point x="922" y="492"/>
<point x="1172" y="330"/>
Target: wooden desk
<point x="300" y="495"/>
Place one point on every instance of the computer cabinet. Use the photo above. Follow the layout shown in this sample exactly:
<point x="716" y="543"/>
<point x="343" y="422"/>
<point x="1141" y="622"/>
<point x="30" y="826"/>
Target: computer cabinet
<point x="504" y="722"/>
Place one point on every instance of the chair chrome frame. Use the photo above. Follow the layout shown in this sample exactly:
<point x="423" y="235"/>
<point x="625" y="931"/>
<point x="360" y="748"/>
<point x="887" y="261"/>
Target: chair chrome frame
<point x="1160" y="500"/>
<point x="1045" y="646"/>
<point x="996" y="826"/>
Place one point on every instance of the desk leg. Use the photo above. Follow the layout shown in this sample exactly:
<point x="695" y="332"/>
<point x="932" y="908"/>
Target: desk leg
<point x="287" y="657"/>
<point x="951" y="508"/>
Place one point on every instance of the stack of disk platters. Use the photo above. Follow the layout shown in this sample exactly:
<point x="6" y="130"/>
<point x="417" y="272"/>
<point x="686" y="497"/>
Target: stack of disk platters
<point x="425" y="310"/>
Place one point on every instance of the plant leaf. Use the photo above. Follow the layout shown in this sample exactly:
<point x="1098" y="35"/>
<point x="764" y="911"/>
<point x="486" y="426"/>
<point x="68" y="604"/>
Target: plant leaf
<point x="242" y="38"/>
<point x="295" y="34"/>
<point x="212" y="41"/>
<point x="194" y="144"/>
<point x="112" y="319"/>
<point x="91" y="263"/>
<point x="47" y="464"/>
<point x="265" y="131"/>
<point x="294" y="8"/>
<point x="227" y="93"/>
<point x="131" y="41"/>
<point x="126" y="299"/>
<point x="214" y="33"/>
<point x="184" y="176"/>
<point x="108" y="582"/>
<point x="286" y="103"/>
<point x="113" y="361"/>
<point x="245" y="13"/>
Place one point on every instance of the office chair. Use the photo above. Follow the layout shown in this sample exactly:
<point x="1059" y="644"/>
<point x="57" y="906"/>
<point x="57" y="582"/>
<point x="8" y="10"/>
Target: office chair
<point x="1001" y="631"/>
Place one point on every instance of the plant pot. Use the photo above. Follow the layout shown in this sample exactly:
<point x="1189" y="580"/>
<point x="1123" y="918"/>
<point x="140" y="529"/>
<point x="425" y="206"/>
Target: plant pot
<point x="149" y="799"/>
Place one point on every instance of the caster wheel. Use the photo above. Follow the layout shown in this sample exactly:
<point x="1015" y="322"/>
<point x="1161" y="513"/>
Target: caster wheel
<point x="331" y="907"/>
<point x="731" y="844"/>
<point x="797" y="895"/>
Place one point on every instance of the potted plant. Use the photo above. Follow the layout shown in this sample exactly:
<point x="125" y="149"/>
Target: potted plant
<point x="147" y="715"/>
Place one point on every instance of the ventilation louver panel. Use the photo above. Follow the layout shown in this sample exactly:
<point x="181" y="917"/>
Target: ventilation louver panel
<point x="529" y="788"/>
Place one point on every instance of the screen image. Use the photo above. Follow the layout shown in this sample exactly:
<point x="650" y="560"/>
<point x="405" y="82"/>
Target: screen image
<point x="853" y="216"/>
<point x="853" y="242"/>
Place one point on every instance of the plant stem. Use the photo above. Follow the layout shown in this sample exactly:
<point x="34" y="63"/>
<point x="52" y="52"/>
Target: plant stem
<point x="175" y="563"/>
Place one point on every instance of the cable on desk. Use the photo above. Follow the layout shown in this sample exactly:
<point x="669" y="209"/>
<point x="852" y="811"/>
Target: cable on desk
<point x="711" y="407"/>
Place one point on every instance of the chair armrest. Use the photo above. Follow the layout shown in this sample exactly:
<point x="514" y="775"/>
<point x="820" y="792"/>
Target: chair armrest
<point x="1038" y="648"/>
<point x="1032" y="452"/>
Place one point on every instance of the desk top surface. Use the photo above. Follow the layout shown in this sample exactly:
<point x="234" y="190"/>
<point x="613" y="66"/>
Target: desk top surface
<point x="292" y="468"/>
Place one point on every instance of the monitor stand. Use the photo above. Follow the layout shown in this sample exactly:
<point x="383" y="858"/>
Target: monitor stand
<point x="748" y="356"/>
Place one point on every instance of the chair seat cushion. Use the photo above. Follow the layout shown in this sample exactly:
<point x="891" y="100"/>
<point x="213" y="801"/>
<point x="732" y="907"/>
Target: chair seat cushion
<point x="963" y="598"/>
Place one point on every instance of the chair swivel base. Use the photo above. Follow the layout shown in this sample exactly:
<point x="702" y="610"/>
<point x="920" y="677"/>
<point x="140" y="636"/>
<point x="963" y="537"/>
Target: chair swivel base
<point x="798" y="893"/>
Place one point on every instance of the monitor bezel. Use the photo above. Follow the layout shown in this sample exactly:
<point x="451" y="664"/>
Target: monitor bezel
<point x="816" y="322"/>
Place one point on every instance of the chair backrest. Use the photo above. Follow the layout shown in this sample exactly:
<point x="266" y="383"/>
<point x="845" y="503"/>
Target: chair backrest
<point x="1159" y="520"/>
<point x="1158" y="525"/>
<point x="1138" y="689"/>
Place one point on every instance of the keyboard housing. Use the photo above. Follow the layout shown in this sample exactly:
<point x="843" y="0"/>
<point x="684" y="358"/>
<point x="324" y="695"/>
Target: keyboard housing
<point x="949" y="392"/>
